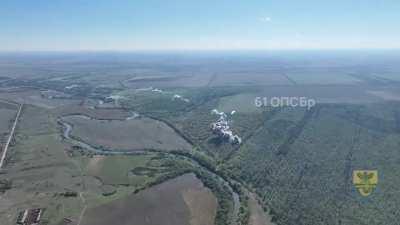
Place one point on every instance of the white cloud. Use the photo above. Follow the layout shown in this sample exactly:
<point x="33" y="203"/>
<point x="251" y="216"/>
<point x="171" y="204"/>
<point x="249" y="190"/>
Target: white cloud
<point x="265" y="19"/>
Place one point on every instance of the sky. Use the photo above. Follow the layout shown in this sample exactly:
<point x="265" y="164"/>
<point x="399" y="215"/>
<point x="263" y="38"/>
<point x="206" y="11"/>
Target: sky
<point x="128" y="25"/>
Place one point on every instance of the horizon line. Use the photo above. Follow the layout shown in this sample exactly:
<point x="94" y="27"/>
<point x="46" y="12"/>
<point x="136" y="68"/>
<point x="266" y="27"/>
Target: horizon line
<point x="192" y="50"/>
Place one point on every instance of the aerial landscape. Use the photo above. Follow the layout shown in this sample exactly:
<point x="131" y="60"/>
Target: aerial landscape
<point x="194" y="136"/>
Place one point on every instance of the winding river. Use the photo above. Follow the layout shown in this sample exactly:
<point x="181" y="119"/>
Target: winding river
<point x="67" y="135"/>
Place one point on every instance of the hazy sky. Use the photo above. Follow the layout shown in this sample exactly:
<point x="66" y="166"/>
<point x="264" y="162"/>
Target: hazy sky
<point x="200" y="24"/>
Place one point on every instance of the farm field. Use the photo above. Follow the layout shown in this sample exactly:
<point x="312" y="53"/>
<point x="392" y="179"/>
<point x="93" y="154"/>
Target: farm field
<point x="129" y="135"/>
<point x="134" y="170"/>
<point x="38" y="164"/>
<point x="241" y="103"/>
<point x="34" y="97"/>
<point x="7" y="115"/>
<point x="183" y="200"/>
<point x="117" y="170"/>
<point x="321" y="76"/>
<point x="258" y="78"/>
<point x="99" y="113"/>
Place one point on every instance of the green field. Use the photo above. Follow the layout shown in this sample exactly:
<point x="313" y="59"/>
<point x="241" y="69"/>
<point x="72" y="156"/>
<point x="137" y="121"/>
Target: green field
<point x="182" y="200"/>
<point x="129" y="135"/>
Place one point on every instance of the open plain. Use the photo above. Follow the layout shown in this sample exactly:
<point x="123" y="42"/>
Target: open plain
<point x="136" y="143"/>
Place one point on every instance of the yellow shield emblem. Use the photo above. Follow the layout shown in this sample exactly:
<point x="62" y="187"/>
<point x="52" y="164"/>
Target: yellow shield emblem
<point x="365" y="181"/>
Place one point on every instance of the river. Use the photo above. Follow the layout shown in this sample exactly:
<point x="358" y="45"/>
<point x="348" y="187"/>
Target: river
<point x="67" y="135"/>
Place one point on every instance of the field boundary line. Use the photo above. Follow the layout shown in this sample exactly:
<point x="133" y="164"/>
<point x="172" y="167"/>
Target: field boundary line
<point x="9" y="102"/>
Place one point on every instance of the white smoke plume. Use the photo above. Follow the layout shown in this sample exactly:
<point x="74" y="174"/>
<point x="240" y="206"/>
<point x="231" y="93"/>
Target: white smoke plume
<point x="180" y="98"/>
<point x="157" y="90"/>
<point x="222" y="129"/>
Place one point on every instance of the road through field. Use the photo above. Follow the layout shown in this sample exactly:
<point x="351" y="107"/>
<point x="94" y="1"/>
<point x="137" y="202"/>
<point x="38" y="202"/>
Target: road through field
<point x="84" y="208"/>
<point x="10" y="137"/>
